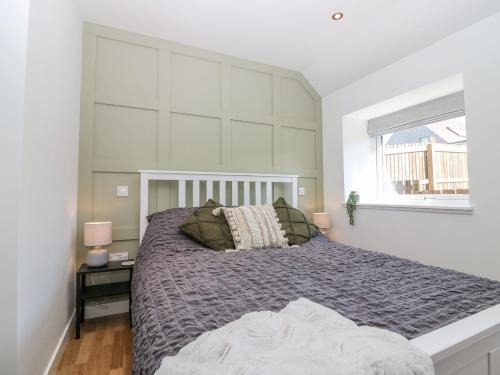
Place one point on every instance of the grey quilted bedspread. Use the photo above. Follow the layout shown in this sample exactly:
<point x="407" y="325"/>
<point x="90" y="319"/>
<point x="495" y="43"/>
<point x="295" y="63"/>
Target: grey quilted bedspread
<point x="181" y="289"/>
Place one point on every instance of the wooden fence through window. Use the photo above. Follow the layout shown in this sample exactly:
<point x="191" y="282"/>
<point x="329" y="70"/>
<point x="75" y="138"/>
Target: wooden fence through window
<point x="433" y="168"/>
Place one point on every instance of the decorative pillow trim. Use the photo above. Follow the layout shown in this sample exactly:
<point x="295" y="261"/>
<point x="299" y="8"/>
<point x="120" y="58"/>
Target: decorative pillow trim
<point x="254" y="227"/>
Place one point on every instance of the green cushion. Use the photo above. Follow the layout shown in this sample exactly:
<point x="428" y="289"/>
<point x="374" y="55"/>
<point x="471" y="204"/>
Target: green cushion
<point x="298" y="229"/>
<point x="207" y="229"/>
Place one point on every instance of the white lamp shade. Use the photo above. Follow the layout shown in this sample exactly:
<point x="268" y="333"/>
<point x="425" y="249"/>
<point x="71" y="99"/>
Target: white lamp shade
<point x="321" y="219"/>
<point x="97" y="233"/>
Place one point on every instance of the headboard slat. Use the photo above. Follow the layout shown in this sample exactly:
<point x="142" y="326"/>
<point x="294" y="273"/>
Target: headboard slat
<point x="210" y="189"/>
<point x="222" y="192"/>
<point x="246" y="193"/>
<point x="182" y="193"/>
<point x="258" y="199"/>
<point x="196" y="193"/>
<point x="269" y="192"/>
<point x="234" y="193"/>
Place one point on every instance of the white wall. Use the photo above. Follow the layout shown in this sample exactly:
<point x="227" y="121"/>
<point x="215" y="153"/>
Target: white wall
<point x="48" y="190"/>
<point x="360" y="161"/>
<point x="466" y="243"/>
<point x="13" y="37"/>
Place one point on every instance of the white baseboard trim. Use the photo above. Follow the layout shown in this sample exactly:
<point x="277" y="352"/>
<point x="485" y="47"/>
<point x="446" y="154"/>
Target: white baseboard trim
<point x="105" y="309"/>
<point x="60" y="347"/>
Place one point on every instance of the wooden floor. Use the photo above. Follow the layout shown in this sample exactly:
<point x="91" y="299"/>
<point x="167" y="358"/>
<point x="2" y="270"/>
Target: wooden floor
<point x="105" y="347"/>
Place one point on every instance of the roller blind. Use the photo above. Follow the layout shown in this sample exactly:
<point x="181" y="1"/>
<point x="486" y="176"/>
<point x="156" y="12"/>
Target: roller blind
<point x="436" y="110"/>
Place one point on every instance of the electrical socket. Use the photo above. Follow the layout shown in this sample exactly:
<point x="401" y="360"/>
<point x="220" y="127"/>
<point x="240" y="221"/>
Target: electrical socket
<point x="123" y="255"/>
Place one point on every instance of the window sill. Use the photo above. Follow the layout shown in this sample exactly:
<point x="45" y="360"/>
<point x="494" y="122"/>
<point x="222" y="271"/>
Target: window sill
<point x="462" y="208"/>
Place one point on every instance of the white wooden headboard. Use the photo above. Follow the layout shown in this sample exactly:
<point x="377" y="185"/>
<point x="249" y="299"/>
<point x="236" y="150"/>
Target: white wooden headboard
<point x="262" y="184"/>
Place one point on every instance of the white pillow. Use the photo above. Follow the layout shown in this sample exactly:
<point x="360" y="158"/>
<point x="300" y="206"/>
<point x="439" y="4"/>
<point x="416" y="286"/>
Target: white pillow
<point x="254" y="227"/>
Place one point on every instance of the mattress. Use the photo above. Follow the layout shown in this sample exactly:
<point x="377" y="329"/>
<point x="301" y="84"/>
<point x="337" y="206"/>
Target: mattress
<point x="181" y="289"/>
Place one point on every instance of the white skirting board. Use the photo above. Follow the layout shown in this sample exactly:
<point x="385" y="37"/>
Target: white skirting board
<point x="61" y="346"/>
<point x="105" y="309"/>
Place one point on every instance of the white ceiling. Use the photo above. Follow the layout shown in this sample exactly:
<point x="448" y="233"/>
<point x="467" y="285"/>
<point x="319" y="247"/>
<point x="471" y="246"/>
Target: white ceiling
<point x="298" y="34"/>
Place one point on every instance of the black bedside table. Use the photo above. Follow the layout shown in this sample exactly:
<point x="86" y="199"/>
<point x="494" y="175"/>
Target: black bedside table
<point x="84" y="292"/>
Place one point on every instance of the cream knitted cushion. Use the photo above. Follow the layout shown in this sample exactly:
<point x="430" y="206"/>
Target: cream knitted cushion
<point x="254" y="227"/>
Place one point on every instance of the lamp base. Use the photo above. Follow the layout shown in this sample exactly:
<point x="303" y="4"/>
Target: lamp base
<point x="97" y="257"/>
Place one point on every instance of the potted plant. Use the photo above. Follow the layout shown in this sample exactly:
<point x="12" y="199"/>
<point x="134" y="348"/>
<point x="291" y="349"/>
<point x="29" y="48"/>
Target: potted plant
<point x="351" y="203"/>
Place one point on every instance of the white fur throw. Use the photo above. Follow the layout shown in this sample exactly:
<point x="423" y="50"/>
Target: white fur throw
<point x="304" y="338"/>
<point x="254" y="227"/>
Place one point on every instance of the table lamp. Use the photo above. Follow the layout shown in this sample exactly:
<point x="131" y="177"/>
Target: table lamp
<point x="322" y="220"/>
<point x="97" y="234"/>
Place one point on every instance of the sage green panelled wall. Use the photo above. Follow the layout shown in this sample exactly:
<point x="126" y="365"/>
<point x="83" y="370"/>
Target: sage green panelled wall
<point x="152" y="104"/>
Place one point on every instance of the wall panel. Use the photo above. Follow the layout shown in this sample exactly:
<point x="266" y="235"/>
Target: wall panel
<point x="106" y="206"/>
<point x="126" y="72"/>
<point x="307" y="203"/>
<point x="251" y="145"/>
<point x="251" y="94"/>
<point x="297" y="102"/>
<point x="152" y="104"/>
<point x="195" y="141"/>
<point x="298" y="147"/>
<point x="125" y="133"/>
<point x="196" y="84"/>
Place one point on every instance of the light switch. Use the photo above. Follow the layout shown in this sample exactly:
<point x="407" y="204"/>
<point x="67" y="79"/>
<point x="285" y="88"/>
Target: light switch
<point x="122" y="191"/>
<point x="302" y="191"/>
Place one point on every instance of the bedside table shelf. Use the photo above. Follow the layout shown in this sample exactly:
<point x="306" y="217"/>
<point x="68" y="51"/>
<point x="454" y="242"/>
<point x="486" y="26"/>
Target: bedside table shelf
<point x="106" y="290"/>
<point x="86" y="292"/>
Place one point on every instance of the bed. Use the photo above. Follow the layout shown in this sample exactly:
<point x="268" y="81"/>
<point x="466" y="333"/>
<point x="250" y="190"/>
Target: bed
<point x="181" y="289"/>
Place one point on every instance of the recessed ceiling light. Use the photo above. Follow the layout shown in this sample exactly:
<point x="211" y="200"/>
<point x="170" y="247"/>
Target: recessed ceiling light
<point x="337" y="16"/>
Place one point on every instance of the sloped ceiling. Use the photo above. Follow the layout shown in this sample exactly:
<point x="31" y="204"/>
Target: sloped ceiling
<point x="298" y="34"/>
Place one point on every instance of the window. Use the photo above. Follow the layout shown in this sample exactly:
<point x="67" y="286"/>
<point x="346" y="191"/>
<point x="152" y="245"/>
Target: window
<point x="426" y="161"/>
<point x="422" y="150"/>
